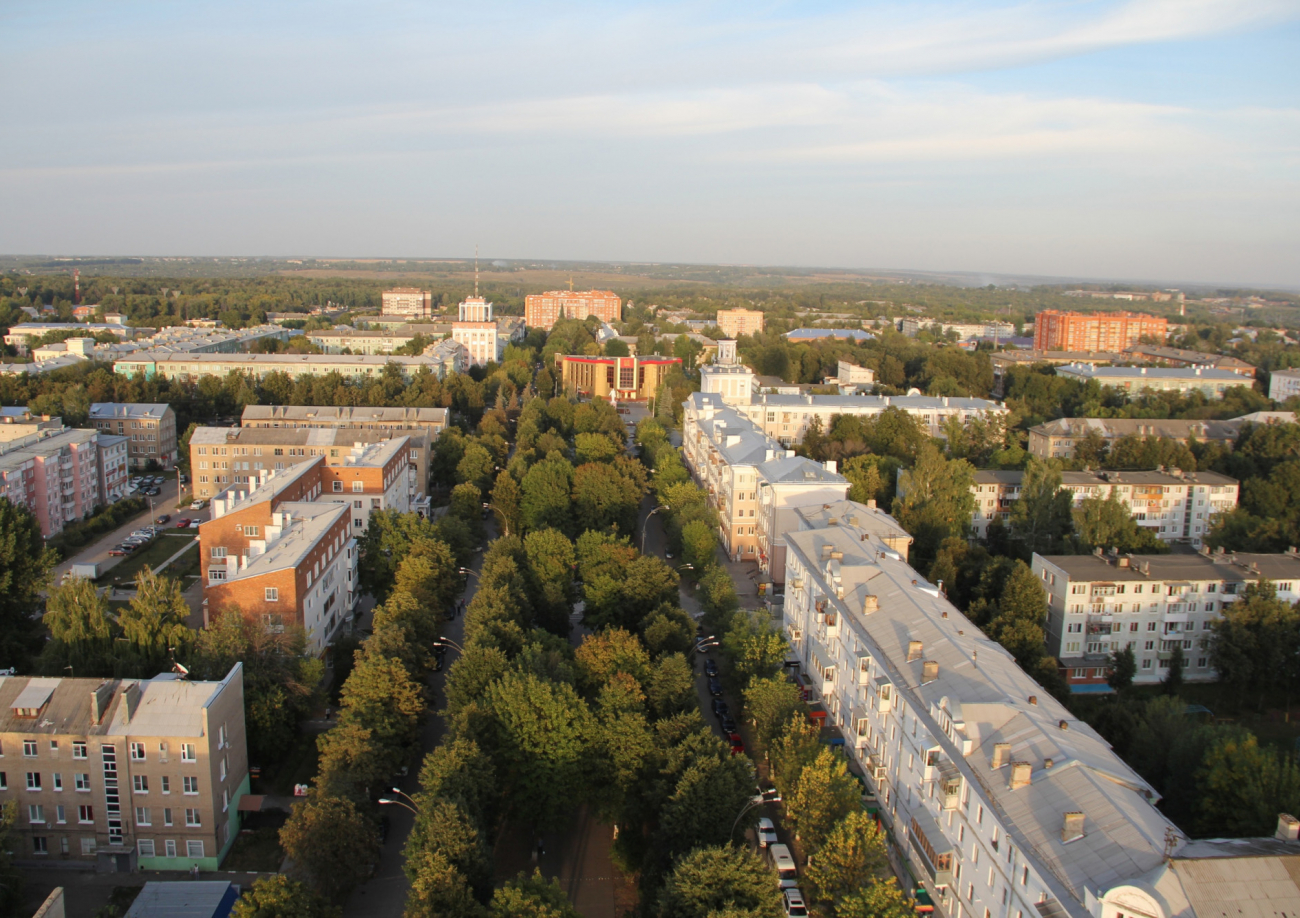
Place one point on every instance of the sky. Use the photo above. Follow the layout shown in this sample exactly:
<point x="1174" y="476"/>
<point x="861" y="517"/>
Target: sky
<point x="1152" y="140"/>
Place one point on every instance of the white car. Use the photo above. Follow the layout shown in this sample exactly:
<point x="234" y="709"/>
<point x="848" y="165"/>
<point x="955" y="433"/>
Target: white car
<point x="766" y="832"/>
<point x="194" y="524"/>
<point x="795" y="907"/>
<point x="197" y="505"/>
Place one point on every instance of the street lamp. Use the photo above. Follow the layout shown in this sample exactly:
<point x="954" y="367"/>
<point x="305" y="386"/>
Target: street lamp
<point x="386" y="802"/>
<point x="466" y="570"/>
<point x="753" y="802"/>
<point x="647" y="523"/>
<point x="447" y="640"/>
<point x="504" y="520"/>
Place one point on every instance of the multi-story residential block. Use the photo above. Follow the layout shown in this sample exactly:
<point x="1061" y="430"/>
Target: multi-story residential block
<point x="21" y="336"/>
<point x="1058" y="439"/>
<point x="149" y="428"/>
<point x="478" y="332"/>
<point x="1002" y="802"/>
<point x="776" y="520"/>
<point x="825" y="334"/>
<point x="390" y="420"/>
<point x="226" y="457"/>
<point x="340" y="339"/>
<point x="737" y="322"/>
<point x="1283" y="384"/>
<point x="284" y="551"/>
<point x="1181" y="357"/>
<point x="114" y="467"/>
<point x="257" y="366"/>
<point x="912" y="325"/>
<point x="410" y="302"/>
<point x="622" y="378"/>
<point x="754" y="483"/>
<point x="732" y="382"/>
<point x="17" y="423"/>
<point x="1211" y="383"/>
<point x="450" y="356"/>
<point x="543" y="310"/>
<point x="124" y="774"/>
<point x="786" y="418"/>
<point x="850" y="374"/>
<point x="1152" y="604"/>
<point x="1175" y="506"/>
<point x="1095" y="331"/>
<point x="54" y="473"/>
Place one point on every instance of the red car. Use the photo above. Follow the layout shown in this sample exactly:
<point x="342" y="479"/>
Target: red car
<point x="182" y="522"/>
<point x="737" y="744"/>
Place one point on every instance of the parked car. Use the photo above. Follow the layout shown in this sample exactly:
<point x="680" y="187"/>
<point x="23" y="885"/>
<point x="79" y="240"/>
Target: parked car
<point x="151" y="491"/>
<point x="737" y="744"/>
<point x="795" y="907"/>
<point x="766" y="832"/>
<point x="118" y="551"/>
<point x="786" y="873"/>
<point x="720" y="708"/>
<point x="715" y="687"/>
<point x="198" y="504"/>
<point x="164" y="519"/>
<point x="194" y="524"/>
<point x="728" y="724"/>
<point x="182" y="522"/>
<point x="710" y="667"/>
<point x="143" y="535"/>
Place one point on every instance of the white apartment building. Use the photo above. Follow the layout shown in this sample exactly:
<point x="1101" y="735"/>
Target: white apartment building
<point x="911" y="325"/>
<point x="753" y="482"/>
<point x="478" y="332"/>
<point x="851" y="375"/>
<point x="775" y="520"/>
<point x="1102" y="603"/>
<point x="114" y="468"/>
<point x="1003" y="803"/>
<point x="1209" y="381"/>
<point x="257" y="366"/>
<point x="1283" y="384"/>
<point x="1176" y="506"/>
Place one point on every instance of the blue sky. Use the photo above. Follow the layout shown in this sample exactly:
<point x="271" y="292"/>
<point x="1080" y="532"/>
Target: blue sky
<point x="1147" y="139"/>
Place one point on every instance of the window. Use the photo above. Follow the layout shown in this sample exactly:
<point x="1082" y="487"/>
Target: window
<point x="1151" y="626"/>
<point x="145" y="847"/>
<point x="166" y="785"/>
<point x="1202" y="662"/>
<point x="85" y="814"/>
<point x="87" y="847"/>
<point x="78" y="749"/>
<point x="4" y="781"/>
<point x="35" y="813"/>
<point x="358" y="487"/>
<point x="218" y="552"/>
<point x="194" y="847"/>
<point x="191" y="784"/>
<point x="33" y="780"/>
<point x="82" y="782"/>
<point x="137" y="752"/>
<point x="192" y="818"/>
<point x="272" y="594"/>
<point x="142" y="816"/>
<point x="170" y="846"/>
<point x="338" y="486"/>
<point x="40" y="846"/>
<point x="58" y="782"/>
<point x="140" y="783"/>
<point x="60" y="814"/>
<point x="187" y="753"/>
<point x="29" y="748"/>
<point x="167" y="815"/>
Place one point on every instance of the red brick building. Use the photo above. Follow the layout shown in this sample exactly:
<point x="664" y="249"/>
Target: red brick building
<point x="543" y="310"/>
<point x="1095" y="331"/>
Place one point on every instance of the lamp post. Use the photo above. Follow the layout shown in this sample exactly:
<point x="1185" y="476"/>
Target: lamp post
<point x="753" y="802"/>
<point x="412" y="810"/>
<point x="448" y="641"/>
<point x="504" y="520"/>
<point x="647" y="523"/>
<point x="466" y="570"/>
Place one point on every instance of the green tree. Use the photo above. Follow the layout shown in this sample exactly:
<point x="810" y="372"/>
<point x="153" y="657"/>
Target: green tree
<point x="11" y="878"/>
<point x="155" y="623"/>
<point x="532" y="897"/>
<point x="699" y="541"/>
<point x="671" y="686"/>
<point x="1022" y="610"/>
<point x="505" y="498"/>
<point x="755" y="647"/>
<point x="438" y="889"/>
<point x="1173" y="680"/>
<point x="81" y="631"/>
<point x="824" y="794"/>
<point x="476" y="466"/>
<point x="381" y="696"/>
<point x="880" y="899"/>
<point x="1244" y="787"/>
<point x="1123" y="667"/>
<point x="1107" y="523"/>
<point x="331" y="842"/>
<point x="25" y="566"/>
<point x="1042" y="518"/>
<point x="279" y="896"/>
<point x="935" y="501"/>
<point x="769" y="705"/>
<point x="546" y="488"/>
<point x="728" y="880"/>
<point x="595" y="447"/>
<point x="853" y="855"/>
<point x="1255" y="642"/>
<point x="796" y="747"/>
<point x="550" y="567"/>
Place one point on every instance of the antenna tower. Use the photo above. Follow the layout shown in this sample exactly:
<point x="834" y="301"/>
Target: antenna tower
<point x="76" y="287"/>
<point x="476" y="271"/>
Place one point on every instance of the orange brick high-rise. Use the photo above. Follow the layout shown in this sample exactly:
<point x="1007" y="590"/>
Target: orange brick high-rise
<point x="543" y="310"/>
<point x="1095" y="331"/>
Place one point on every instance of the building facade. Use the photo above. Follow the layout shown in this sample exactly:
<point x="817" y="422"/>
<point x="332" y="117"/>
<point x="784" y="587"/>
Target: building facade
<point x="114" y="467"/>
<point x="1058" y="439"/>
<point x="1211" y="383"/>
<point x="850" y="374"/>
<point x="1095" y="331"/>
<point x="543" y="310"/>
<point x="1181" y="357"/>
<point x="258" y="366"/>
<point x="53" y="473"/>
<point x="433" y="421"/>
<point x="1283" y="384"/>
<point x="149" y="428"/>
<point x="737" y="322"/>
<point x="1151" y="604"/>
<point x="1173" y="505"/>
<point x="621" y="378"/>
<point x="409" y="302"/>
<point x="478" y="332"/>
<point x="123" y="773"/>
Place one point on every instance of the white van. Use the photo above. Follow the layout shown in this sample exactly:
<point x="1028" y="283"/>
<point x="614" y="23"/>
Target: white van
<point x="779" y="856"/>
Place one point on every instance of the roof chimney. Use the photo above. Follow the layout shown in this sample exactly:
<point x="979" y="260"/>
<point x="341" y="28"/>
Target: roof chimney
<point x="1071" y="827"/>
<point x="1001" y="754"/>
<point x="131" y="698"/>
<point x="871" y="504"/>
<point x="100" y="699"/>
<point x="830" y="466"/>
<point x="913" y="651"/>
<point x="929" y="671"/>
<point x="870" y="603"/>
<point x="826" y="552"/>
<point x="1021" y="775"/>
<point x="1288" y="827"/>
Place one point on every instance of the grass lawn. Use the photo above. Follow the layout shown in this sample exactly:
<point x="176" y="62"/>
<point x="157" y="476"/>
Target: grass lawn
<point x="256" y="849"/>
<point x="154" y="554"/>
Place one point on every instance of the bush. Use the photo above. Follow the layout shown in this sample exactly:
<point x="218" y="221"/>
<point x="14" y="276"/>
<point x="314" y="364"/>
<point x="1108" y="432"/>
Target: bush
<point x="79" y="535"/>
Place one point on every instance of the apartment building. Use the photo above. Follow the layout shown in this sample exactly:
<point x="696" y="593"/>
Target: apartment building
<point x="477" y="331"/>
<point x="1055" y="330"/>
<point x="851" y="375"/>
<point x="775" y="521"/>
<point x="21" y="336"/>
<point x="284" y="551"/>
<point x="53" y="473"/>
<point x="1175" y="506"/>
<point x="1283" y="384"/>
<point x="226" y="457"/>
<point x="786" y="418"/>
<point x="622" y="378"/>
<point x="114" y="467"/>
<point x="1153" y="604"/>
<point x="257" y="366"/>
<point x="543" y="310"/>
<point x="1058" y="439"/>
<point x="340" y="339"/>
<point x="409" y="302"/>
<point x="1211" y="383"/>
<point x="911" y="326"/>
<point x="417" y="423"/>
<point x="124" y="774"/>
<point x="18" y="422"/>
<point x="1181" y="357"/>
<point x="754" y="483"/>
<point x="1001" y="801"/>
<point x="149" y="428"/>
<point x="737" y="322"/>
